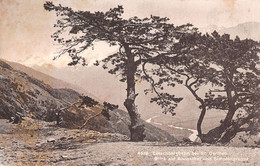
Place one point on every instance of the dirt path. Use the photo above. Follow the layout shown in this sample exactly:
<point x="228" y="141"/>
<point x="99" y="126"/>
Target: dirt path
<point x="40" y="143"/>
<point x="127" y="153"/>
<point x="146" y="154"/>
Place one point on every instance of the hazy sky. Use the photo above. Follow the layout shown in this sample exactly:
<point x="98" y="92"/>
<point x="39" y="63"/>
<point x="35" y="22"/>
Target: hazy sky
<point x="25" y="27"/>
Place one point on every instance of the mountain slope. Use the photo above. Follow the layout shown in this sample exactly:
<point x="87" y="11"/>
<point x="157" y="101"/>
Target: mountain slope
<point x="249" y="30"/>
<point x="77" y="116"/>
<point x="29" y="96"/>
<point x="35" y="99"/>
<point x="47" y="79"/>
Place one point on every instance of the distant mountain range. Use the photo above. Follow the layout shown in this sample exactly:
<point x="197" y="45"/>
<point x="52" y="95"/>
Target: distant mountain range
<point x="249" y="30"/>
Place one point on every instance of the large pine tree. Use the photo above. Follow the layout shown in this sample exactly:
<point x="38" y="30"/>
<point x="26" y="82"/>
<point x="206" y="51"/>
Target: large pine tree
<point x="139" y="41"/>
<point x="231" y="67"/>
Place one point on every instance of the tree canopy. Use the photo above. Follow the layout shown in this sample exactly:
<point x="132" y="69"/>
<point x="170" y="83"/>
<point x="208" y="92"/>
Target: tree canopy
<point x="231" y="67"/>
<point x="139" y="41"/>
<point x="237" y="75"/>
<point x="77" y="31"/>
<point x="178" y="54"/>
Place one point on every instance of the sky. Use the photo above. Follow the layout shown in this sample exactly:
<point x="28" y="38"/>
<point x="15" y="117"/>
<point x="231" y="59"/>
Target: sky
<point x="25" y="27"/>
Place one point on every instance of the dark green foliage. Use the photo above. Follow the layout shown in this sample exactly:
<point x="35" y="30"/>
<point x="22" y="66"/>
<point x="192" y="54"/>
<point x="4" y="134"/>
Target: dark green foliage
<point x="87" y="101"/>
<point x="108" y="107"/>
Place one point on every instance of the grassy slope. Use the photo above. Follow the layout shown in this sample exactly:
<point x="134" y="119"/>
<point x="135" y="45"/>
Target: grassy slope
<point x="75" y="117"/>
<point x="29" y="96"/>
<point x="53" y="82"/>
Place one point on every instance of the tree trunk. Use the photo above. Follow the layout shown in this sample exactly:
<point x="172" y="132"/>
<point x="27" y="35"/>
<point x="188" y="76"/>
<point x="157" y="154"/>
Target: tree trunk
<point x="232" y="131"/>
<point x="136" y="128"/>
<point x="229" y="135"/>
<point x="231" y="105"/>
<point x="200" y="120"/>
<point x="215" y="134"/>
<point x="202" y="113"/>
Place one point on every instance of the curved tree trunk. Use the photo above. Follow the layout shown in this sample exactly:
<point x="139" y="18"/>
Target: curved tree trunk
<point x="200" y="120"/>
<point x="136" y="128"/>
<point x="232" y="131"/>
<point x="215" y="135"/>
<point x="202" y="113"/>
<point x="229" y="135"/>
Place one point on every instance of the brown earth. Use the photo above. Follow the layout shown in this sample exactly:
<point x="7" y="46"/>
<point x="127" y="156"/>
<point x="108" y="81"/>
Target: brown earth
<point x="35" y="142"/>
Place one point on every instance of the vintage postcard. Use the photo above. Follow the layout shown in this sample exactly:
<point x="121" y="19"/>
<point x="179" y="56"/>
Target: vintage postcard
<point x="129" y="82"/>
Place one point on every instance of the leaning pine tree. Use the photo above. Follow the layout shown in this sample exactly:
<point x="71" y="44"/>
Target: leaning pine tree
<point x="237" y="64"/>
<point x="231" y="66"/>
<point x="139" y="41"/>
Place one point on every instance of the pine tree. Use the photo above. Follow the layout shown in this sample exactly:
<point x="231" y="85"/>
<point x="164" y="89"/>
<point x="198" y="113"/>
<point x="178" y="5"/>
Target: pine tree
<point x="139" y="41"/>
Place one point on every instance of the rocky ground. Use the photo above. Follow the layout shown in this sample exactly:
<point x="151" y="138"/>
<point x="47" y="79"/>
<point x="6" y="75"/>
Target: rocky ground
<point x="36" y="142"/>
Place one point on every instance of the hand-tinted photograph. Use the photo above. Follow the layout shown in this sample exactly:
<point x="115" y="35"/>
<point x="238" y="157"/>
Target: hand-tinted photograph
<point x="129" y="82"/>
